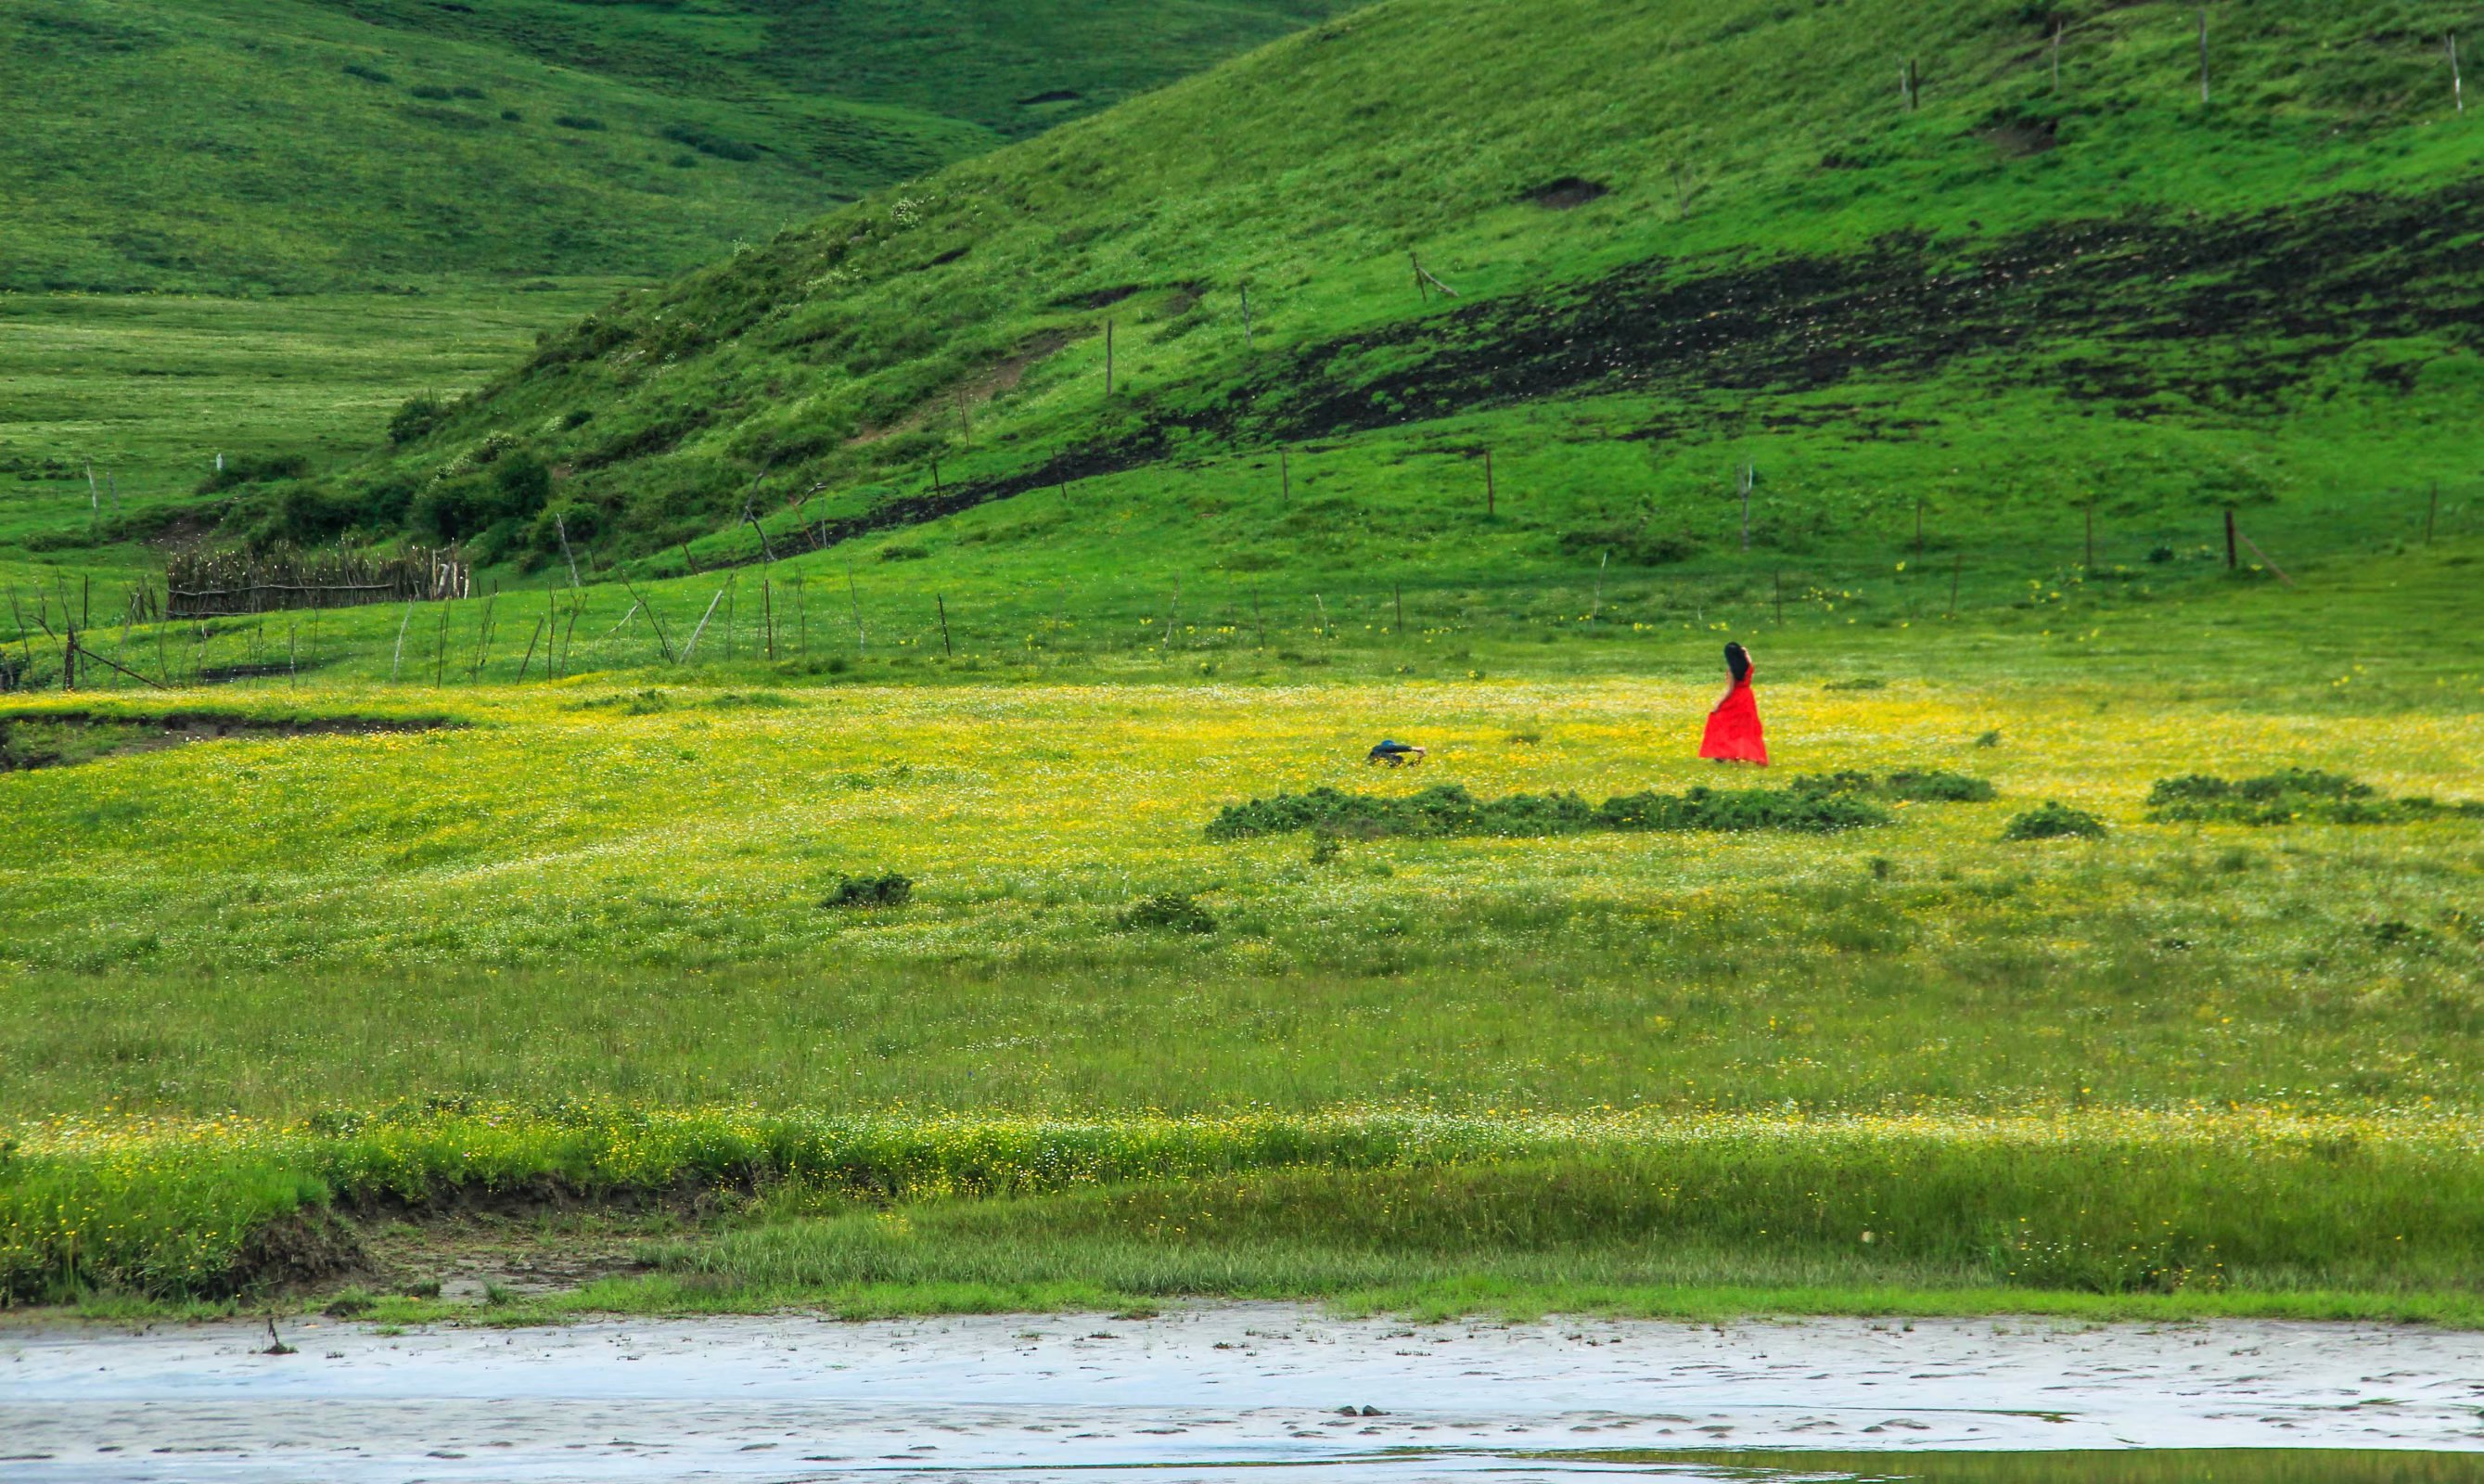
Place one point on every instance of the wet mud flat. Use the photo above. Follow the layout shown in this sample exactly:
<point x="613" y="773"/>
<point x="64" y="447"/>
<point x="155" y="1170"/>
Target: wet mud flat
<point x="1240" y="1391"/>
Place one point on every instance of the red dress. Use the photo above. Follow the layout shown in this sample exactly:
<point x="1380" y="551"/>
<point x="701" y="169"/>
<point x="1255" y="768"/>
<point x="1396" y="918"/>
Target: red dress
<point x="1733" y="728"/>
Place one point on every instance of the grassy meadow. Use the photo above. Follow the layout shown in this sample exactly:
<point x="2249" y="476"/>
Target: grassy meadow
<point x="583" y="935"/>
<point x="793" y="861"/>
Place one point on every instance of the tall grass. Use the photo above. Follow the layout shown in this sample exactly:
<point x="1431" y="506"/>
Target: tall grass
<point x="2112" y="1202"/>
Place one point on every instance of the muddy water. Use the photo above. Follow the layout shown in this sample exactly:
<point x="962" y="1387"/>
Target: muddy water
<point x="1243" y="1393"/>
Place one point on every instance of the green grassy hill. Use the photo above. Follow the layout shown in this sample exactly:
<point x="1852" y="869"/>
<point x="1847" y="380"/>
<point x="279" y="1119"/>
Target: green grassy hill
<point x="1683" y="242"/>
<point x="294" y="144"/>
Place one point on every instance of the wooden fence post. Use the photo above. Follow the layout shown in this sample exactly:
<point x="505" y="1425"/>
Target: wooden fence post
<point x="562" y="525"/>
<point x="2233" y="561"/>
<point x="1398" y="592"/>
<point x="2457" y="85"/>
<point x="946" y="648"/>
<point x="691" y="648"/>
<point x="532" y="640"/>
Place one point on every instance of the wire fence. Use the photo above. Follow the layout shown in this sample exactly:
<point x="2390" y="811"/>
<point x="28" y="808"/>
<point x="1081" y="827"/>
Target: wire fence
<point x="813" y="613"/>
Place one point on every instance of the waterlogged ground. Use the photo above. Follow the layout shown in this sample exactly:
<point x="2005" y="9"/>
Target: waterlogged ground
<point x="1254" y="1391"/>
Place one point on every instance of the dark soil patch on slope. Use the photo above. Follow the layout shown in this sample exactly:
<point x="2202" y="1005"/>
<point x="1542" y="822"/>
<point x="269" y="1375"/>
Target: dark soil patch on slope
<point x="1567" y="193"/>
<point x="65" y="739"/>
<point x="2228" y="312"/>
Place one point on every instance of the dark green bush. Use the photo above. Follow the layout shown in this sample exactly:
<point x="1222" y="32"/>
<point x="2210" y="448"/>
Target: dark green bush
<point x="578" y="121"/>
<point x="522" y="483"/>
<point x="2052" y="821"/>
<point x="1933" y="786"/>
<point x="417" y="417"/>
<point x="367" y="73"/>
<point x="2285" y="797"/>
<point x="583" y="521"/>
<point x="890" y="890"/>
<point x="1447" y="810"/>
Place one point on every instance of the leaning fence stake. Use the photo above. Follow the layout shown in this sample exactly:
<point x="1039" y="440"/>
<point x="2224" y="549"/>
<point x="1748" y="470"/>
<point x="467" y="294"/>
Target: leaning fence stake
<point x="396" y="660"/>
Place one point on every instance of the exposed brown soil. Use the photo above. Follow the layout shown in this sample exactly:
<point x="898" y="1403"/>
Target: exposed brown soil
<point x="544" y="1236"/>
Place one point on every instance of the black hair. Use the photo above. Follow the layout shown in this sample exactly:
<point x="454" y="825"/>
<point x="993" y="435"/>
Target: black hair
<point x="1738" y="661"/>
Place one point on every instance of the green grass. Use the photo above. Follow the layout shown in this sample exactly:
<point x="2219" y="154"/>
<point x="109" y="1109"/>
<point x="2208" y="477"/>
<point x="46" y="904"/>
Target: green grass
<point x="224" y="246"/>
<point x="257" y="145"/>
<point x="2295" y="1213"/>
<point x="1894" y="308"/>
<point x="150" y="389"/>
<point x="618" y="888"/>
<point x="595" y="938"/>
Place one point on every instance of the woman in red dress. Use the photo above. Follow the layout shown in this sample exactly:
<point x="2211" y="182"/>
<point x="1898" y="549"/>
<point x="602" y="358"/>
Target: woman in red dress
<point x="1734" y="726"/>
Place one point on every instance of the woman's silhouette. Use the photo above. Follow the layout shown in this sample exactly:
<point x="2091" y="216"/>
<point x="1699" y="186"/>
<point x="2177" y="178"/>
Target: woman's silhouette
<point x="1734" y="726"/>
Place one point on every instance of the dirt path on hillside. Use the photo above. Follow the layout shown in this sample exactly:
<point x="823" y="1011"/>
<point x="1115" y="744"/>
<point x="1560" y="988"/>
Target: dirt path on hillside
<point x="1224" y="1391"/>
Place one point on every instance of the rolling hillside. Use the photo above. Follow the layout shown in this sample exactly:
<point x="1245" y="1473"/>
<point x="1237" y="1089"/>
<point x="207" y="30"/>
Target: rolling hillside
<point x="1665" y="250"/>
<point x="298" y="144"/>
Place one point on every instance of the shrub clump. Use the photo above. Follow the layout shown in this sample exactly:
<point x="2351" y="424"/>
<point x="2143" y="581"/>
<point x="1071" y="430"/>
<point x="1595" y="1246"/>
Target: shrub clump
<point x="2053" y="821"/>
<point x="1447" y="810"/>
<point x="2296" y="794"/>
<point x="889" y="890"/>
<point x="1171" y="911"/>
<point x="1934" y="787"/>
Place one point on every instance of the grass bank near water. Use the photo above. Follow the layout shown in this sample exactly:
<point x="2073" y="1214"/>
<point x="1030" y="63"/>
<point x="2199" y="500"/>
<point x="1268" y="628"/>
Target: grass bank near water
<point x="2233" y="1210"/>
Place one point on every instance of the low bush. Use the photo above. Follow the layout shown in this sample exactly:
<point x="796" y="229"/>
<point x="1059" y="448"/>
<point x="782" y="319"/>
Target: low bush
<point x="413" y="421"/>
<point x="1447" y="810"/>
<point x="578" y="121"/>
<point x="889" y="890"/>
<point x="2295" y="794"/>
<point x="1939" y="787"/>
<point x="2052" y="821"/>
<point x="1169" y="911"/>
